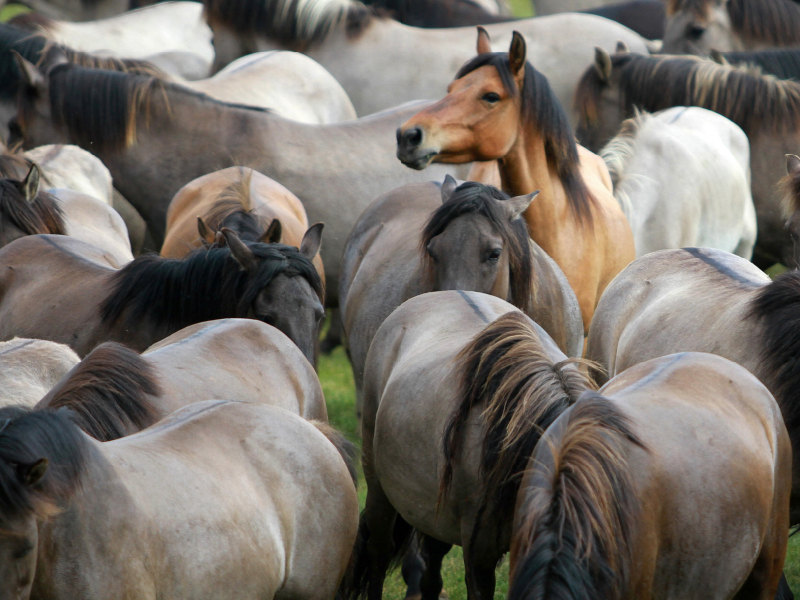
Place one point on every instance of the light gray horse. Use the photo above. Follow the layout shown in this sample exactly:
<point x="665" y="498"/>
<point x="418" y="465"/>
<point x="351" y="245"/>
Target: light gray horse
<point x="29" y="368"/>
<point x="682" y="178"/>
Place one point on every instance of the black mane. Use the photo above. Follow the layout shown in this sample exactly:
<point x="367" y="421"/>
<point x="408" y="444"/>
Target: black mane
<point x="204" y="286"/>
<point x="652" y="83"/>
<point x="777" y="308"/>
<point x="783" y="64"/>
<point x="26" y="437"/>
<point x="437" y="13"/>
<point x="542" y="112"/>
<point x="472" y="197"/>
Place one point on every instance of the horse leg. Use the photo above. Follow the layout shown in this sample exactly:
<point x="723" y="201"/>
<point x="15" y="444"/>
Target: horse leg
<point x="412" y="570"/>
<point x="434" y="552"/>
<point x="334" y="336"/>
<point x="381" y="519"/>
<point x="480" y="563"/>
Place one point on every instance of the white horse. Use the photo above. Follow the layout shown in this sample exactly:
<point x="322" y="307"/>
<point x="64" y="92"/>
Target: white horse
<point x="290" y="84"/>
<point x="382" y="63"/>
<point x="163" y="27"/>
<point x="682" y="177"/>
<point x="29" y="368"/>
<point x="70" y="167"/>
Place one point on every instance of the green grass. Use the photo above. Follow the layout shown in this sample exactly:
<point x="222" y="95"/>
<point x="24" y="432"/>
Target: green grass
<point x="337" y="383"/>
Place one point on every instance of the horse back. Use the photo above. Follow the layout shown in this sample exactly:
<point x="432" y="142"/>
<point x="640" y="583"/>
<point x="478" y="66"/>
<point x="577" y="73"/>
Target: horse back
<point x="714" y="478"/>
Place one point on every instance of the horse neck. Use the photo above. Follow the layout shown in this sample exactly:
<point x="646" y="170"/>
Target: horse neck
<point x="526" y="169"/>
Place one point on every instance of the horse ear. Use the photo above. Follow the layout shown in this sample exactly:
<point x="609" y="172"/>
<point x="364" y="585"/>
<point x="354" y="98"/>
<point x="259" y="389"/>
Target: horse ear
<point x="30" y="185"/>
<point x="239" y="250"/>
<point x="484" y="41"/>
<point x="312" y="240"/>
<point x="33" y="78"/>
<point x="792" y="164"/>
<point x="206" y="235"/>
<point x="622" y="48"/>
<point x="518" y="205"/>
<point x="449" y="186"/>
<point x="32" y="474"/>
<point x="718" y="57"/>
<point x="516" y="53"/>
<point x="602" y="64"/>
<point x="273" y="233"/>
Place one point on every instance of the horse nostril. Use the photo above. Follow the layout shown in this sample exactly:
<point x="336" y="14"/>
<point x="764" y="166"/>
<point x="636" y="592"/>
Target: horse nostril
<point x="414" y="136"/>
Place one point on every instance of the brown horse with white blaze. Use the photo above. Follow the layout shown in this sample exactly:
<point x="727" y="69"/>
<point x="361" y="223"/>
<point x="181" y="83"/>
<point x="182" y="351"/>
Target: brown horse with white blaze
<point x="501" y="108"/>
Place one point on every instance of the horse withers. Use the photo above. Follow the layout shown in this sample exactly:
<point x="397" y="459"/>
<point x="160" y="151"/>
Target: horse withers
<point x="500" y="107"/>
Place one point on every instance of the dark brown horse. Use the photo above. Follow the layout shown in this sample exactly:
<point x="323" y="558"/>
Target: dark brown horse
<point x="458" y="387"/>
<point x="87" y="302"/>
<point x="699" y="26"/>
<point x="615" y="504"/>
<point x="767" y="110"/>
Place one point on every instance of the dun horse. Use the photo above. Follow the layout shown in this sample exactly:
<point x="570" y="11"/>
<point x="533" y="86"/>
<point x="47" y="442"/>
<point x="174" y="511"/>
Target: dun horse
<point x="419" y="238"/>
<point x="616" y="501"/>
<point x="704" y="300"/>
<point x="87" y="302"/>
<point x="253" y="206"/>
<point x="766" y="109"/>
<point x="699" y="26"/>
<point x="500" y="107"/>
<point x="238" y="359"/>
<point x="29" y="368"/>
<point x="457" y="388"/>
<point x="91" y="520"/>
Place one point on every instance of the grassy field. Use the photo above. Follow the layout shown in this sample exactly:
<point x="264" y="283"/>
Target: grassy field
<point x="337" y="383"/>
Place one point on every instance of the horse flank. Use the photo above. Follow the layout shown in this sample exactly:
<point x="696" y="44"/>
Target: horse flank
<point x="294" y="23"/>
<point x="575" y="536"/>
<point x="473" y="197"/>
<point x="43" y="215"/>
<point x="27" y="436"/>
<point x="743" y="95"/>
<point x="542" y="112"/>
<point x="506" y="372"/>
<point x="773" y="22"/>
<point x="108" y="393"/>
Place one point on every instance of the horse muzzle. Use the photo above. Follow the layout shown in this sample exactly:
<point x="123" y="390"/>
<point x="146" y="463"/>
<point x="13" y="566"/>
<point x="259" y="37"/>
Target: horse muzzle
<point x="410" y="150"/>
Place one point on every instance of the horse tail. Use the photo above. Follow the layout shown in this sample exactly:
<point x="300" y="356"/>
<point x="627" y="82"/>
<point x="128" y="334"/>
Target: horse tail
<point x="108" y="393"/>
<point x="345" y="448"/>
<point x="574" y="539"/>
<point x="506" y="370"/>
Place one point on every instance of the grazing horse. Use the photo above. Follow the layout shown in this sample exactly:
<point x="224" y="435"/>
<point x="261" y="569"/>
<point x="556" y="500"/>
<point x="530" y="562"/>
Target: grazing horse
<point x="420" y="238"/>
<point x="253" y="206"/>
<point x="29" y="368"/>
<point x="705" y="300"/>
<point x="457" y="388"/>
<point x="155" y="137"/>
<point x="709" y="205"/>
<point x="614" y="502"/>
<point x="699" y="26"/>
<point x="218" y="500"/>
<point x="354" y="43"/>
<point x="26" y="209"/>
<point x="767" y="110"/>
<point x="500" y="107"/>
<point x="153" y="297"/>
<point x="239" y="359"/>
<point x="163" y="27"/>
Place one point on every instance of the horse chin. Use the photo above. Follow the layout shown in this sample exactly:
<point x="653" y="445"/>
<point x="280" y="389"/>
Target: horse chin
<point x="416" y="160"/>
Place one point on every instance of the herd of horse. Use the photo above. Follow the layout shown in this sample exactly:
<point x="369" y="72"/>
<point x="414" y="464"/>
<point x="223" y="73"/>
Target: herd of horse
<point x="543" y="248"/>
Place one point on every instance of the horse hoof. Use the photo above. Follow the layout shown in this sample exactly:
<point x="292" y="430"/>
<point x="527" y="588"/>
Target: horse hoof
<point x="443" y="595"/>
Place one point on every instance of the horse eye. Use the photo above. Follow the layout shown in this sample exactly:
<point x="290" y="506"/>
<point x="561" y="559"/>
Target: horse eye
<point x="431" y="253"/>
<point x="696" y="31"/>
<point x="495" y="254"/>
<point x="491" y="97"/>
<point x="23" y="552"/>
